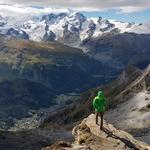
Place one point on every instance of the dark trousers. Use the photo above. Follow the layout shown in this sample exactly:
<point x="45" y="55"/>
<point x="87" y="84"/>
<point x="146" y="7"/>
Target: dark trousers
<point x="101" y="114"/>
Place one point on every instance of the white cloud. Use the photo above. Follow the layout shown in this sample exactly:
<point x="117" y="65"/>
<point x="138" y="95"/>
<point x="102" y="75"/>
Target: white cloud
<point x="130" y="9"/>
<point x="124" y="6"/>
<point x="17" y="10"/>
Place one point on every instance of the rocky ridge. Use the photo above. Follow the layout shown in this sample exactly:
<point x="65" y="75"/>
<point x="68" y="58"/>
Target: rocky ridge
<point x="88" y="136"/>
<point x="132" y="112"/>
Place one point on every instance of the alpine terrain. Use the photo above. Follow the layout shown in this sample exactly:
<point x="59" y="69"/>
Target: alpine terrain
<point x="54" y="63"/>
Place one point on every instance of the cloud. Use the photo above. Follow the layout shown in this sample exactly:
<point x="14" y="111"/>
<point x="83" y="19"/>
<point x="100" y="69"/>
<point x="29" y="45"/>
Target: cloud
<point x="17" y="10"/>
<point x="124" y="6"/>
<point x="130" y="9"/>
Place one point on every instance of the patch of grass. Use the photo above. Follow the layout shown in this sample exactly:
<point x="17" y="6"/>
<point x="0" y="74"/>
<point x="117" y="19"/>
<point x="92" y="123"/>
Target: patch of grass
<point x="34" y="59"/>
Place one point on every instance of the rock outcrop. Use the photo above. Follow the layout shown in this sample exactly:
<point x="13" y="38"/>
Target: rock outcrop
<point x="88" y="136"/>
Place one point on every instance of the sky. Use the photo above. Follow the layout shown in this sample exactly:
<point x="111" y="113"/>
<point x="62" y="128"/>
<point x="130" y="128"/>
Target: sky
<point x="123" y="10"/>
<point x="139" y="16"/>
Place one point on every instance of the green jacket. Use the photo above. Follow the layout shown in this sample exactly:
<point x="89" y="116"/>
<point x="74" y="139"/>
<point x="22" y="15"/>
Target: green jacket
<point x="99" y="102"/>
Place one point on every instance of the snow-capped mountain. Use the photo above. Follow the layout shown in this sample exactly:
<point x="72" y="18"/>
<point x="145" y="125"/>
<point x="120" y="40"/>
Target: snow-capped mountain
<point x="70" y="28"/>
<point x="2" y="21"/>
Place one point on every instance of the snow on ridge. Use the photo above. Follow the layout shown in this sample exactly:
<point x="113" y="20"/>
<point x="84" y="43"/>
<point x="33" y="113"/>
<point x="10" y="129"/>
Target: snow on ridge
<point x="74" y="23"/>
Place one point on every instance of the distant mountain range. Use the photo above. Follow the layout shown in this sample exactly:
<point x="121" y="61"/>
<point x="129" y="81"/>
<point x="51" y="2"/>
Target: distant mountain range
<point x="120" y="43"/>
<point x="71" y="28"/>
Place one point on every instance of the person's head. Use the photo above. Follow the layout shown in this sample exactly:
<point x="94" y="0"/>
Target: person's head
<point x="101" y="94"/>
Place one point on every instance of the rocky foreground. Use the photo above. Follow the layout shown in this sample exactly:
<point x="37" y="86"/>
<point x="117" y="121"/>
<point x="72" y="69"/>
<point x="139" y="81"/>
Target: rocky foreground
<point x="89" y="137"/>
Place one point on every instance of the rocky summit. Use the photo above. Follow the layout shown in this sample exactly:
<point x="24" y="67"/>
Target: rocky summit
<point x="89" y="136"/>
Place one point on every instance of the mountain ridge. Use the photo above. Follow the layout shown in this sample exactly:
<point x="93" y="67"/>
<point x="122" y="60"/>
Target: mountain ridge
<point x="71" y="28"/>
<point x="105" y="40"/>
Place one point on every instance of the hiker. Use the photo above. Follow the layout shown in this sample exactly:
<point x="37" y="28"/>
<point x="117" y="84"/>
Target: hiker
<point x="99" y="104"/>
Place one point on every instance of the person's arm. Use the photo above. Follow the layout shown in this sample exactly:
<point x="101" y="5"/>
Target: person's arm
<point x="94" y="103"/>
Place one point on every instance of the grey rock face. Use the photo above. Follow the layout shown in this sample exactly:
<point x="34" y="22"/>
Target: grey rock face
<point x="49" y="36"/>
<point x="52" y="18"/>
<point x="19" y="34"/>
